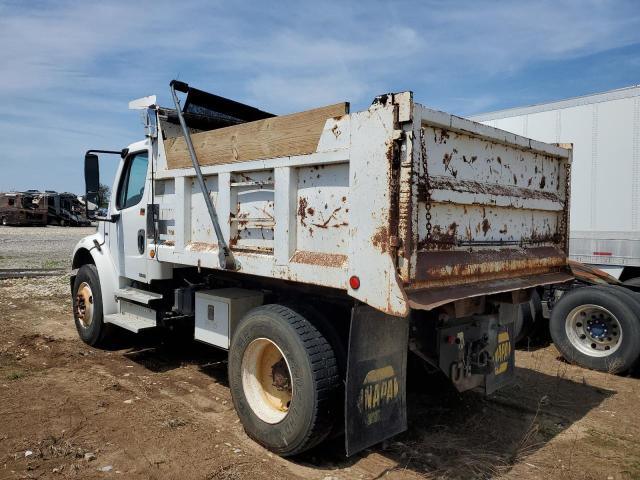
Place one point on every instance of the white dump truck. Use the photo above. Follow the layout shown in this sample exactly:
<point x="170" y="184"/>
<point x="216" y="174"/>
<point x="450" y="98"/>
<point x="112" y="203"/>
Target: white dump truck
<point x="323" y="248"/>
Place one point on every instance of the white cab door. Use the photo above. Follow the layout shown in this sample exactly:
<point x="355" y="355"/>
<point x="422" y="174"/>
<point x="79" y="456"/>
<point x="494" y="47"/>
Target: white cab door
<point x="131" y="204"/>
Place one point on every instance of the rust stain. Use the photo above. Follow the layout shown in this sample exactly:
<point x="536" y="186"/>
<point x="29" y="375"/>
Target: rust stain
<point x="441" y="135"/>
<point x="444" y="238"/>
<point x="446" y="161"/>
<point x="302" y="210"/>
<point x="201" y="246"/>
<point x="325" y="224"/>
<point x="471" y="186"/>
<point x="437" y="268"/>
<point x="169" y="243"/>
<point x="335" y="260"/>
<point x="486" y="226"/>
<point x="590" y="274"/>
<point x="311" y="211"/>
<point x="380" y="239"/>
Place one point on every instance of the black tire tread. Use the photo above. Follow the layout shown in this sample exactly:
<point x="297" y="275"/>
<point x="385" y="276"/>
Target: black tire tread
<point x="625" y="297"/>
<point x="324" y="368"/>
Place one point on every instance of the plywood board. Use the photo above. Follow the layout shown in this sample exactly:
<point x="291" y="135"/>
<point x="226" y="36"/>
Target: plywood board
<point x="295" y="134"/>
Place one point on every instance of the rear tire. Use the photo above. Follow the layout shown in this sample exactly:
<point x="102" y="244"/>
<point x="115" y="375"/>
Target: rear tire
<point x="597" y="328"/>
<point x="87" y="307"/>
<point x="529" y="315"/>
<point x="283" y="376"/>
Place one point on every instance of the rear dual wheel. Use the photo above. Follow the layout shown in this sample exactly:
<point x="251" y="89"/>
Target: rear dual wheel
<point x="598" y="328"/>
<point x="284" y="379"/>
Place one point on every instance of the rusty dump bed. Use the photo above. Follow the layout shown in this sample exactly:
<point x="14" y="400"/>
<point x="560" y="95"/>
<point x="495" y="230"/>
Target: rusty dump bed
<point x="423" y="207"/>
<point x="491" y="211"/>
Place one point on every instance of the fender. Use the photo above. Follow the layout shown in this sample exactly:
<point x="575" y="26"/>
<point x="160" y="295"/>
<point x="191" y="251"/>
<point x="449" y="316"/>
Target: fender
<point x="93" y="249"/>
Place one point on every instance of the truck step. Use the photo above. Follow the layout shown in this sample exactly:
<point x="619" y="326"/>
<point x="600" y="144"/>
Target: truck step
<point x="130" y="322"/>
<point x="137" y="295"/>
<point x="133" y="317"/>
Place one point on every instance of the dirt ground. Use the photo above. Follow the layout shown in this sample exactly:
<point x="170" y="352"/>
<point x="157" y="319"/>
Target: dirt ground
<point x="151" y="409"/>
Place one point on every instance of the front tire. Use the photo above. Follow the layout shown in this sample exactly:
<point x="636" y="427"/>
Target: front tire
<point x="87" y="307"/>
<point x="597" y="328"/>
<point x="284" y="377"/>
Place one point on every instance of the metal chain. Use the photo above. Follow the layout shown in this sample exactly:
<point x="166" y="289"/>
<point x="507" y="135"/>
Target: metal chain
<point x="427" y="185"/>
<point x="564" y="220"/>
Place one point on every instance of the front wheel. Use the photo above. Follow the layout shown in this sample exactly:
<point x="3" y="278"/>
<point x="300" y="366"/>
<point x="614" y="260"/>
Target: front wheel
<point x="284" y="377"/>
<point x="87" y="307"/>
<point x="597" y="328"/>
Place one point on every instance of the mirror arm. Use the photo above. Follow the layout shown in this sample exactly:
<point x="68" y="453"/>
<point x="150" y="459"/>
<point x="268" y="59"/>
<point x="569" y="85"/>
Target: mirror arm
<point x="111" y="219"/>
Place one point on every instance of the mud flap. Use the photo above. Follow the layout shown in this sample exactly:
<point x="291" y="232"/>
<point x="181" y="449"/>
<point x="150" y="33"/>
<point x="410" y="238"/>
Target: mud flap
<point x="503" y="349"/>
<point x="478" y="354"/>
<point x="375" y="394"/>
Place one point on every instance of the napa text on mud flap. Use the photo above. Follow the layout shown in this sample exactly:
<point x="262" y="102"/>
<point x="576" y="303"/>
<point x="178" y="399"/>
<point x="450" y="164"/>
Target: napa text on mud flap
<point x="379" y="388"/>
<point x="502" y="353"/>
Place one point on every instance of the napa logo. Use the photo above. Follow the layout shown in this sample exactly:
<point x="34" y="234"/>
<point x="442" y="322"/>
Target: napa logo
<point x="502" y="354"/>
<point x="379" y="388"/>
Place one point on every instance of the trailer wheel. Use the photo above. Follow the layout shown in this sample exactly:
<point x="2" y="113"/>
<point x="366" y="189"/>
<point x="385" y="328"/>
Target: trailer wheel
<point x="597" y="328"/>
<point x="283" y="376"/>
<point x="87" y="307"/>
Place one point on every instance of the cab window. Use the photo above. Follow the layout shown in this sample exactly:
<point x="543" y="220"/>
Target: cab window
<point x="132" y="181"/>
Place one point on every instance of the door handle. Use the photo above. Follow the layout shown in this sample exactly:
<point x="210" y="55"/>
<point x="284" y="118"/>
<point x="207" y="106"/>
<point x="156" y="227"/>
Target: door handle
<point x="141" y="241"/>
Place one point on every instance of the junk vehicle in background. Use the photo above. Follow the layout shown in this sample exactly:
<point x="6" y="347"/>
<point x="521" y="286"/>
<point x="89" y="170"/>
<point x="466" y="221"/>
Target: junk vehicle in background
<point x="66" y="209"/>
<point x="23" y="208"/>
<point x="599" y="330"/>
<point x="322" y="248"/>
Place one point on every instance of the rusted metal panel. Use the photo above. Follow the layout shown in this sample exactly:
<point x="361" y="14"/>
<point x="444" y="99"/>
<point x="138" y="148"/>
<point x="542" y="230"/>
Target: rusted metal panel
<point x="322" y="208"/>
<point x="374" y="204"/>
<point x="491" y="207"/>
<point x="433" y="297"/>
<point x="441" y="268"/>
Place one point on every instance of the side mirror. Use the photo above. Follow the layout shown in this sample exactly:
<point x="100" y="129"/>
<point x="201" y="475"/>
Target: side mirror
<point x="92" y="184"/>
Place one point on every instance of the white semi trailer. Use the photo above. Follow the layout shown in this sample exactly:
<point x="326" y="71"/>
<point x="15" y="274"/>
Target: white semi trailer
<point x="320" y="248"/>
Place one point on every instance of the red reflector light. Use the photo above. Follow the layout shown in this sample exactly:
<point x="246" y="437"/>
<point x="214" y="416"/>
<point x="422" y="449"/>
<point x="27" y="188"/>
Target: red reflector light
<point x="603" y="254"/>
<point x="354" y="282"/>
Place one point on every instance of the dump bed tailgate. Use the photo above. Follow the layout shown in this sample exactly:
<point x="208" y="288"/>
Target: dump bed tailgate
<point x="492" y="210"/>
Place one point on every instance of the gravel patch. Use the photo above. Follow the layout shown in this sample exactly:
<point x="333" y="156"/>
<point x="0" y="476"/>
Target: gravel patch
<point x="39" y="247"/>
<point x="29" y="288"/>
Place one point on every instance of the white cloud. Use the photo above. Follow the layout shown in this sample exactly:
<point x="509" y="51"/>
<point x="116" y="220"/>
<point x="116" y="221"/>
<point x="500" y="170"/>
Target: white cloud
<point x="70" y="67"/>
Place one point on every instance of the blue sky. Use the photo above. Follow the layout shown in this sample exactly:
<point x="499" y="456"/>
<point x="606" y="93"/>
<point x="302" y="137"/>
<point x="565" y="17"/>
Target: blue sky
<point x="68" y="69"/>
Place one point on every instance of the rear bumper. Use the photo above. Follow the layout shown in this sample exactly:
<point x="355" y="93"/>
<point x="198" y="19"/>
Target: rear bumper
<point x="432" y="297"/>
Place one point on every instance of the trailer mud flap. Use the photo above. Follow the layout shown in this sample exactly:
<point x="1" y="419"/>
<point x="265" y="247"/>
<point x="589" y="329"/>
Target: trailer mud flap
<point x="375" y="395"/>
